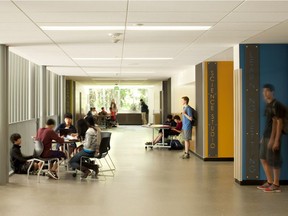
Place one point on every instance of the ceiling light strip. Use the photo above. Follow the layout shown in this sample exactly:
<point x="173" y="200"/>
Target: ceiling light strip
<point x="122" y="28"/>
<point x="118" y="59"/>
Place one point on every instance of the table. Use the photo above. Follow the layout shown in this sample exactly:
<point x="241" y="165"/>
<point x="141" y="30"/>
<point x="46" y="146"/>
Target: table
<point x="66" y="144"/>
<point x="154" y="127"/>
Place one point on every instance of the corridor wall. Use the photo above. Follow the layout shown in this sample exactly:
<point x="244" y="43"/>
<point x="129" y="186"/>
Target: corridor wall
<point x="214" y="104"/>
<point x="260" y="64"/>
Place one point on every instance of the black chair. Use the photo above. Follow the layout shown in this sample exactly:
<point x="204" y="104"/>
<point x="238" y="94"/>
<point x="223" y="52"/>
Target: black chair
<point x="103" y="152"/>
<point x="107" y="134"/>
<point x="38" y="149"/>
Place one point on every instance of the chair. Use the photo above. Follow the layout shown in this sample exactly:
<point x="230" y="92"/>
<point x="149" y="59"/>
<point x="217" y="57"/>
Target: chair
<point x="38" y="149"/>
<point x="103" y="152"/>
<point x="107" y="134"/>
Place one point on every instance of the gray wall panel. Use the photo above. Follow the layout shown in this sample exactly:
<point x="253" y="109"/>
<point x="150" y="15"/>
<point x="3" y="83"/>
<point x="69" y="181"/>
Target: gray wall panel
<point x="200" y="109"/>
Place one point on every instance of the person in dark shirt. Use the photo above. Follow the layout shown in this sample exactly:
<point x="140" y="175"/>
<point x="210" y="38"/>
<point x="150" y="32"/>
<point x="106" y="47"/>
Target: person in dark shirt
<point x="144" y="111"/>
<point x="46" y="135"/>
<point x="170" y="122"/>
<point x="71" y="130"/>
<point x="19" y="162"/>
<point x="175" y="131"/>
<point x="103" y="112"/>
<point x="270" y="146"/>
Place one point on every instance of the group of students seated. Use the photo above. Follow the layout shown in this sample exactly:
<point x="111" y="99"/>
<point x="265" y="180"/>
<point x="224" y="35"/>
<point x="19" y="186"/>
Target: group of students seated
<point x="88" y="134"/>
<point x="174" y="130"/>
<point x="103" y="117"/>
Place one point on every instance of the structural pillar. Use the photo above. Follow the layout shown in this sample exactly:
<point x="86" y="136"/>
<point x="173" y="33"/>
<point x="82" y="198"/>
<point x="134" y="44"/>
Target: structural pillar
<point x="4" y="171"/>
<point x="43" y="96"/>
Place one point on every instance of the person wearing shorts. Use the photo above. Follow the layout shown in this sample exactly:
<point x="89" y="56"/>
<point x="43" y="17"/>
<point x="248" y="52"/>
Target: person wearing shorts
<point x="270" y="145"/>
<point x="187" y="118"/>
<point x="46" y="135"/>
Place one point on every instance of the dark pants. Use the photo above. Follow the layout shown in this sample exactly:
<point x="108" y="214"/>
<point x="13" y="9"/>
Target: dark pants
<point x="75" y="160"/>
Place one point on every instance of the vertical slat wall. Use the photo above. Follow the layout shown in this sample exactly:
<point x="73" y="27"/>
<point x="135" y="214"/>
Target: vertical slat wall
<point x="24" y="90"/>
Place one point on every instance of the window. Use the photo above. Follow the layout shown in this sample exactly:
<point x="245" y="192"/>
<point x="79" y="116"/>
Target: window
<point x="127" y="98"/>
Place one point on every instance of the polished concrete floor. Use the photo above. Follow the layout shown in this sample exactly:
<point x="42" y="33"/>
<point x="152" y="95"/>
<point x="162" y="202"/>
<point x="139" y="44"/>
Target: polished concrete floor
<point x="152" y="182"/>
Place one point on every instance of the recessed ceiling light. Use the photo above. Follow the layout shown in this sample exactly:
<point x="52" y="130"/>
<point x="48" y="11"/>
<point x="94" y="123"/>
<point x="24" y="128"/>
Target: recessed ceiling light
<point x="117" y="59"/>
<point x="168" y="28"/>
<point x="123" y="72"/>
<point x="131" y="28"/>
<point x="81" y="28"/>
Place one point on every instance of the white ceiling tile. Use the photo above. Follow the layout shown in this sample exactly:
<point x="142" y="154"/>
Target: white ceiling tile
<point x="13" y="17"/>
<point x="255" y="17"/>
<point x="161" y="36"/>
<point x="263" y="6"/>
<point x="93" y="50"/>
<point x="48" y="54"/>
<point x="84" y="37"/>
<point x="22" y="34"/>
<point x="68" y="71"/>
<point x="78" y="17"/>
<point x="242" y="26"/>
<point x="174" y="17"/>
<point x="71" y="6"/>
<point x="183" y="6"/>
<point x="8" y="6"/>
<point x="278" y="34"/>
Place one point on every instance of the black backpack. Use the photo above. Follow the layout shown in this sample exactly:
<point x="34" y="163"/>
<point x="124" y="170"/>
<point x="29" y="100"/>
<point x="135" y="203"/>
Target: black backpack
<point x="176" y="145"/>
<point x="195" y="117"/>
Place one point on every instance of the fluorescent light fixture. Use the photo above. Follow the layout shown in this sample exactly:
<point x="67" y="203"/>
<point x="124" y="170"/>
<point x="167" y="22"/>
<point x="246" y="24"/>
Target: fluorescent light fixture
<point x="123" y="72"/>
<point x="82" y="28"/>
<point x="122" y="28"/>
<point x="168" y="28"/>
<point x="117" y="59"/>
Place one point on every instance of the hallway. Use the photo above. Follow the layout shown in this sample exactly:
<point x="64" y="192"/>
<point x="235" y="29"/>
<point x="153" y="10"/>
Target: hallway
<point x="146" y="183"/>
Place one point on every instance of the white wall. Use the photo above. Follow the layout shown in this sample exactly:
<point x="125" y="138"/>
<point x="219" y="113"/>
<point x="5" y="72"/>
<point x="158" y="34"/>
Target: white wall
<point x="182" y="84"/>
<point x="154" y="100"/>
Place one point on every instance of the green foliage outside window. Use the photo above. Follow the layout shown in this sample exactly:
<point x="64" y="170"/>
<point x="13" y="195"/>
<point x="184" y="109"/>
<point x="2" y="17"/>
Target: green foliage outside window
<point x="127" y="99"/>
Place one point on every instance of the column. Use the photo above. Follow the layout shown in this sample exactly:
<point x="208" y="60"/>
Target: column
<point x="43" y="97"/>
<point x="4" y="115"/>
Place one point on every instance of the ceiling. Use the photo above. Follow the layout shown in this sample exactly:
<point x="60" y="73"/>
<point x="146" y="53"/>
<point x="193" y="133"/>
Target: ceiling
<point x="232" y="22"/>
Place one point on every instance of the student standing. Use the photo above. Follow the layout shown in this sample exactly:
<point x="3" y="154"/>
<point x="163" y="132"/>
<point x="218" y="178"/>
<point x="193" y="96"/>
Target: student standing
<point x="270" y="146"/>
<point x="187" y="118"/>
<point x="144" y="111"/>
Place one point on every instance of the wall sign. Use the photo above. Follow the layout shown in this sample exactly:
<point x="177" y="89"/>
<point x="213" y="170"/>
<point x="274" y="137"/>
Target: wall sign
<point x="252" y="77"/>
<point x="212" y="110"/>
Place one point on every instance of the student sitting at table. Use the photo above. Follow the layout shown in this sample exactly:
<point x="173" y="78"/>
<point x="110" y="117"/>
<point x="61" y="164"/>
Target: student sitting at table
<point x="46" y="135"/>
<point x="164" y="132"/>
<point x="71" y="130"/>
<point x="103" y="112"/>
<point x="19" y="162"/>
<point x="90" y="146"/>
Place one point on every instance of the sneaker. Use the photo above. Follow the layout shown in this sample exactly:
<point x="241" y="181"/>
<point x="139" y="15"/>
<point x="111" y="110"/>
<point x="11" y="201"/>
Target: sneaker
<point x="55" y="175"/>
<point x="264" y="186"/>
<point x="86" y="173"/>
<point x="273" y="189"/>
<point x="186" y="156"/>
<point x="52" y="175"/>
<point x="96" y="169"/>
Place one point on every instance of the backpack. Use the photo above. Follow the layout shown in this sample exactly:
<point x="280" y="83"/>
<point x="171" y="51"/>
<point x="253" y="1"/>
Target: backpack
<point x="195" y="117"/>
<point x="176" y="145"/>
<point x="285" y="120"/>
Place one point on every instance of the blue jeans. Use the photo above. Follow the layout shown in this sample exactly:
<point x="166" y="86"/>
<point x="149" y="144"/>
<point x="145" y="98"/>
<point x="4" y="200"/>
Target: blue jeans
<point x="75" y="160"/>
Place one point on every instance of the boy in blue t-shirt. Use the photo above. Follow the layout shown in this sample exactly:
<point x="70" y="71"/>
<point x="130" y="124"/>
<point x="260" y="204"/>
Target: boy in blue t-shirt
<point x="187" y="118"/>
